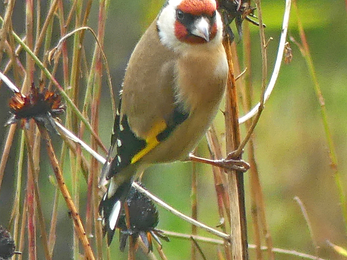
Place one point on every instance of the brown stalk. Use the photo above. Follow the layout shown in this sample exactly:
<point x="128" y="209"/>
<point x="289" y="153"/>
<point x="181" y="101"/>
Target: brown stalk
<point x="16" y="209"/>
<point x="53" y="224"/>
<point x="257" y="198"/>
<point x="30" y="197"/>
<point x="160" y="251"/>
<point x="6" y="151"/>
<point x="66" y="194"/>
<point x="144" y="248"/>
<point x="194" y="205"/>
<point x="131" y="248"/>
<point x="31" y="163"/>
<point x="30" y="181"/>
<point x="239" y="243"/>
<point x="14" y="61"/>
<point x="7" y="24"/>
<point x="23" y="228"/>
<point x="65" y="58"/>
<point x="220" y="180"/>
<point x="29" y="68"/>
<point x="220" y="183"/>
<point x="31" y="224"/>
<point x="95" y="105"/>
<point x="43" y="30"/>
<point x="247" y="90"/>
<point x="198" y="248"/>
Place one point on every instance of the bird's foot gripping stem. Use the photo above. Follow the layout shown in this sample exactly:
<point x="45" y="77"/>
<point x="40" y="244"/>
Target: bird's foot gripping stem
<point x="229" y="163"/>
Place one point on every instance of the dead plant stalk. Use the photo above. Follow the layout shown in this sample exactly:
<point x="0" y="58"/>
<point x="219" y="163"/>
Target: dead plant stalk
<point x="66" y="194"/>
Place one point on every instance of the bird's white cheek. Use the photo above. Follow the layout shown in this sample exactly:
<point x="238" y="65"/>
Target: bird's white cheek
<point x="166" y="25"/>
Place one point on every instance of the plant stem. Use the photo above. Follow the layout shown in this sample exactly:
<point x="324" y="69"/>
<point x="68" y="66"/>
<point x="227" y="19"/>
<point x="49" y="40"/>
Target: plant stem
<point x="66" y="194"/>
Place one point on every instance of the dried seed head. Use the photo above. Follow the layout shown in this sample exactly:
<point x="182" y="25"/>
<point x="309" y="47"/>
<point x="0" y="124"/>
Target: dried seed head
<point x="7" y="246"/>
<point x="144" y="217"/>
<point x="41" y="106"/>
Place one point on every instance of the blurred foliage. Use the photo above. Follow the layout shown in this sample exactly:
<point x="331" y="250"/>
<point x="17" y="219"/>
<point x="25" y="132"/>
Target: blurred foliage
<point x="289" y="140"/>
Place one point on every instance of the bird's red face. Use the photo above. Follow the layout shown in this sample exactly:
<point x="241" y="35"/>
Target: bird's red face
<point x="196" y="21"/>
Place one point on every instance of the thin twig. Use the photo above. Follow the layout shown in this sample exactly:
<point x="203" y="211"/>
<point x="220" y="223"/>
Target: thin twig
<point x="8" y="82"/>
<point x="144" y="248"/>
<point x="86" y="147"/>
<point x="160" y="251"/>
<point x="309" y="225"/>
<point x="6" y="151"/>
<point x="198" y="247"/>
<point x="300" y="255"/>
<point x="179" y="214"/>
<point x="263" y="46"/>
<point x="277" y="66"/>
<point x="194" y="206"/>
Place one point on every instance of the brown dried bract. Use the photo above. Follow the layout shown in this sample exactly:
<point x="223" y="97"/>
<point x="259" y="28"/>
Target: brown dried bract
<point x="41" y="106"/>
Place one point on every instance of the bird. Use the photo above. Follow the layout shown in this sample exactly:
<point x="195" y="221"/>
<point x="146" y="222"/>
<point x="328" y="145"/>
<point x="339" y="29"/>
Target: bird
<point x="173" y="85"/>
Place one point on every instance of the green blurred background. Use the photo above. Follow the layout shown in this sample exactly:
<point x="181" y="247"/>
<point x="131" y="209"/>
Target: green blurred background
<point x="290" y="144"/>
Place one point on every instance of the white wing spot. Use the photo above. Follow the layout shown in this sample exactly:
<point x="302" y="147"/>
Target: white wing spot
<point x="119" y="159"/>
<point x="119" y="143"/>
<point x="114" y="215"/>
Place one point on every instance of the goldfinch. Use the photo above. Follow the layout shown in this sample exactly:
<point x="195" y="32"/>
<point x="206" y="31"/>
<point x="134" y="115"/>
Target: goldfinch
<point x="173" y="85"/>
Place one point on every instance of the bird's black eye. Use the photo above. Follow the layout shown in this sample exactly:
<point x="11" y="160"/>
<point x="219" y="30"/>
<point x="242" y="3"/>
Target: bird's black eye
<point x="180" y="15"/>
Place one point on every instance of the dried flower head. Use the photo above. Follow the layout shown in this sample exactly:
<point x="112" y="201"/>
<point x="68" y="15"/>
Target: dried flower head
<point x="41" y="106"/>
<point x="7" y="246"/>
<point x="144" y="217"/>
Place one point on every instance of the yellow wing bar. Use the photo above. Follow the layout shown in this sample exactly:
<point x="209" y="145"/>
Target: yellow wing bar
<point x="151" y="140"/>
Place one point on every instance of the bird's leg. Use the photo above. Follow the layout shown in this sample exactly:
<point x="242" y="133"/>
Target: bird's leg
<point x="230" y="162"/>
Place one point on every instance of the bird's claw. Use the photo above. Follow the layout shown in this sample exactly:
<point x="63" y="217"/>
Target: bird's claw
<point x="234" y="164"/>
<point x="231" y="162"/>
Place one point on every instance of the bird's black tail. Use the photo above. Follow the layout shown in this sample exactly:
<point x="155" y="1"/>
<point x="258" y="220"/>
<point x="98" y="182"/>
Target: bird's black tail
<point x="111" y="206"/>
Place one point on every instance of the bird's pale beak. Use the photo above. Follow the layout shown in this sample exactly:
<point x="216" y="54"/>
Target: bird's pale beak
<point x="202" y="28"/>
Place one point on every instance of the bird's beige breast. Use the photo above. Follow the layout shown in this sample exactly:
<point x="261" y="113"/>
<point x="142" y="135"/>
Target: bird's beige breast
<point x="202" y="77"/>
<point x="201" y="85"/>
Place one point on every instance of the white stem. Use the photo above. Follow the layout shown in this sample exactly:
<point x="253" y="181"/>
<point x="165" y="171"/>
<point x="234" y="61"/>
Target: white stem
<point x="74" y="138"/>
<point x="8" y="83"/>
<point x="179" y="214"/>
<point x="277" y="66"/>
